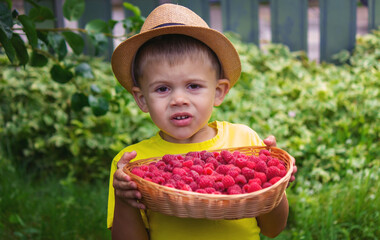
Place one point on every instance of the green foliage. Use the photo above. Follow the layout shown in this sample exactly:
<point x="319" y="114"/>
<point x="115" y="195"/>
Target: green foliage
<point x="52" y="129"/>
<point x="48" y="47"/>
<point x="325" y="115"/>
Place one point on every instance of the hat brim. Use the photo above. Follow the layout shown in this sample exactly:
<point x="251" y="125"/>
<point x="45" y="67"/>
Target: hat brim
<point x="124" y="54"/>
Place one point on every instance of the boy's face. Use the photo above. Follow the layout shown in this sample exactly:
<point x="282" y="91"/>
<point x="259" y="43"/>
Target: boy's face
<point x="180" y="98"/>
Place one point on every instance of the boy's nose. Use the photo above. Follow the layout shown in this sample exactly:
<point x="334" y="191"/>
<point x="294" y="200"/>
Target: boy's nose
<point x="179" y="99"/>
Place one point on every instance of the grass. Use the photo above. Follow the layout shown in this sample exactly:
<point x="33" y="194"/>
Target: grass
<point x="56" y="210"/>
<point x="51" y="209"/>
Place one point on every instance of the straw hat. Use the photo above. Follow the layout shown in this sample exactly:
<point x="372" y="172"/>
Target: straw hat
<point x="175" y="19"/>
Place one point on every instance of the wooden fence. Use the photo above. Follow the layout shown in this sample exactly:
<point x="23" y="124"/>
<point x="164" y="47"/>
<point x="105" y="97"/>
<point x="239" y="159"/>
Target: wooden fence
<point x="289" y="20"/>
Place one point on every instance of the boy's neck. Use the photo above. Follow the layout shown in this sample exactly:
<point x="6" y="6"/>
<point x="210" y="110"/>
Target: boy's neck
<point x="204" y="134"/>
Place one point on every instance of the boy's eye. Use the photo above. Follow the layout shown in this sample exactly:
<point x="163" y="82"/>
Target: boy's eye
<point x="162" y="89"/>
<point x="194" y="86"/>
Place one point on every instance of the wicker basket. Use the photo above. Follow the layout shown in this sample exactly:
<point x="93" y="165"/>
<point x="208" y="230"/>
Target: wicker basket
<point x="188" y="204"/>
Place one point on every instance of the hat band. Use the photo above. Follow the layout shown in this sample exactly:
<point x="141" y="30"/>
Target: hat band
<point x="168" y="24"/>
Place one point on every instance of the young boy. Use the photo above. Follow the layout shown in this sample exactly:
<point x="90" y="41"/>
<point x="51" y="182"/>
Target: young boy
<point x="178" y="69"/>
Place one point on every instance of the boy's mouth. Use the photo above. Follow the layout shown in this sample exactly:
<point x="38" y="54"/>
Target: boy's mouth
<point x="181" y="119"/>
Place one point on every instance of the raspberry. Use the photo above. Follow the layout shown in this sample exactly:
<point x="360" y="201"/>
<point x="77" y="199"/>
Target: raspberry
<point x="213" y="161"/>
<point x="187" y="179"/>
<point x="223" y="169"/>
<point x="282" y="173"/>
<point x="261" y="166"/>
<point x="255" y="180"/>
<point x="200" y="190"/>
<point x="144" y="168"/>
<point x="273" y="162"/>
<point x="254" y="159"/>
<point x="263" y="157"/>
<point x="138" y="172"/>
<point x="176" y="163"/>
<point x="264" y="152"/>
<point x="261" y="176"/>
<point x="197" y="168"/>
<point x="176" y="177"/>
<point x="206" y="181"/>
<point x="168" y="158"/>
<point x="235" y="189"/>
<point x="233" y="172"/>
<point x="209" y="165"/>
<point x="148" y="175"/>
<point x="251" y="164"/>
<point x="240" y="179"/>
<point x="193" y="154"/>
<point x="226" y="155"/>
<point x="267" y="184"/>
<point x="217" y="176"/>
<point x="273" y="172"/>
<point x="198" y="161"/>
<point x="248" y="173"/>
<point x="180" y="184"/>
<point x="188" y="163"/>
<point x="208" y="171"/>
<point x="204" y="155"/>
<point x="210" y="190"/>
<point x="194" y="175"/>
<point x="274" y="180"/>
<point x="281" y="167"/>
<point x="161" y="165"/>
<point x="253" y="187"/>
<point x="228" y="181"/>
<point x="241" y="162"/>
<point x="179" y="171"/>
<point x="167" y="175"/>
<point x="169" y="185"/>
<point x="194" y="186"/>
<point x="158" y="180"/>
<point x="186" y="188"/>
<point x="219" y="186"/>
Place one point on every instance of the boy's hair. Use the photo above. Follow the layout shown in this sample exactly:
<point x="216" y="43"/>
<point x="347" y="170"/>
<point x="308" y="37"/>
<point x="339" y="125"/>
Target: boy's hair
<point x="174" y="49"/>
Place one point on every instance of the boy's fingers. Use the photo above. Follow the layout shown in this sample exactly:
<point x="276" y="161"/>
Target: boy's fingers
<point x="127" y="156"/>
<point x="120" y="175"/>
<point x="270" y="141"/>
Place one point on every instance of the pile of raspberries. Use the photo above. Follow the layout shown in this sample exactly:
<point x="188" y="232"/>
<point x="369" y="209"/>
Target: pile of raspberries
<point x="215" y="172"/>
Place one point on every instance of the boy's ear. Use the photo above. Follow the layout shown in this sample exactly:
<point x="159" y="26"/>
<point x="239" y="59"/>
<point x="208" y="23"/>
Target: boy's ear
<point x="140" y="99"/>
<point x="222" y="88"/>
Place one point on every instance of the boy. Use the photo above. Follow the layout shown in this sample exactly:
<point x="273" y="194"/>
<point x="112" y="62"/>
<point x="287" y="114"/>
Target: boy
<point x="178" y="69"/>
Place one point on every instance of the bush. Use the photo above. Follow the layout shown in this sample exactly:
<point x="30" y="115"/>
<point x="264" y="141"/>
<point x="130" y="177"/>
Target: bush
<point x="324" y="115"/>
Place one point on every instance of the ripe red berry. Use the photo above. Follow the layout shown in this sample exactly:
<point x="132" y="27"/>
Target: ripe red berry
<point x="253" y="187"/>
<point x="261" y="166"/>
<point x="261" y="176"/>
<point x="228" y="181"/>
<point x="274" y="180"/>
<point x="264" y="152"/>
<point x="248" y="173"/>
<point x="273" y="171"/>
<point x="206" y="181"/>
<point x="240" y="179"/>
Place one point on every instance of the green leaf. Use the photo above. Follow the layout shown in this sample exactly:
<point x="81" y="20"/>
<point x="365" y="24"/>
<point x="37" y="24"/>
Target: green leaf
<point x="78" y="101"/>
<point x="29" y="29"/>
<point x="9" y="2"/>
<point x="40" y="14"/>
<point x="21" y="52"/>
<point x="73" y="9"/>
<point x="136" y="10"/>
<point x="58" y="43"/>
<point x="61" y="75"/>
<point x="6" y="21"/>
<point x="98" y="105"/>
<point x="38" y="60"/>
<point x="95" y="88"/>
<point x="75" y="41"/>
<point x="8" y="47"/>
<point x="97" y="26"/>
<point x="84" y="70"/>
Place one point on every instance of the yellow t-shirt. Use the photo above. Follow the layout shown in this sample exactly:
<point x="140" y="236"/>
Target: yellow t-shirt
<point x="164" y="227"/>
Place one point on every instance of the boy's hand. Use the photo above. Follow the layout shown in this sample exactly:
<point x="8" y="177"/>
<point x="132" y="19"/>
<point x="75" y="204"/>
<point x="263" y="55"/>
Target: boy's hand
<point x="125" y="188"/>
<point x="271" y="142"/>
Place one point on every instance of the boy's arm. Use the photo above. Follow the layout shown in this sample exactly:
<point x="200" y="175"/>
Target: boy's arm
<point x="127" y="222"/>
<point x="274" y="222"/>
